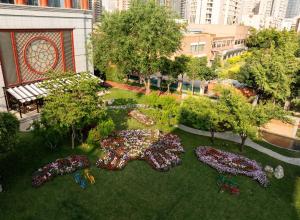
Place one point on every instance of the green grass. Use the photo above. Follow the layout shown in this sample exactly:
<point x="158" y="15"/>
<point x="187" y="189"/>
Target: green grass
<point x="188" y="191"/>
<point x="124" y="96"/>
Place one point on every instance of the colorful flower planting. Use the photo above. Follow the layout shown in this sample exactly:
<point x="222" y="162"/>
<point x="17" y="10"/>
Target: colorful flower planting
<point x="140" y="117"/>
<point x="226" y="162"/>
<point x="160" y="150"/>
<point x="59" y="167"/>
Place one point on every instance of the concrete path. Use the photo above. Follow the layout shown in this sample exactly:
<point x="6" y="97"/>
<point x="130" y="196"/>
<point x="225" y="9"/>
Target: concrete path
<point x="235" y="138"/>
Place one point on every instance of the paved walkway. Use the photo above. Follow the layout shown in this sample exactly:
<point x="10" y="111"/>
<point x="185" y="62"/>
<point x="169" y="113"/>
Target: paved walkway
<point x="235" y="138"/>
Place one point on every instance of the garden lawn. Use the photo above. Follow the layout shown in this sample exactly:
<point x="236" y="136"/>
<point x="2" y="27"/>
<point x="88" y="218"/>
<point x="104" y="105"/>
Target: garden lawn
<point x="188" y="191"/>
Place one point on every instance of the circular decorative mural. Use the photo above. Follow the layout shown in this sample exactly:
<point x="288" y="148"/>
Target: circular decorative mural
<point x="41" y="55"/>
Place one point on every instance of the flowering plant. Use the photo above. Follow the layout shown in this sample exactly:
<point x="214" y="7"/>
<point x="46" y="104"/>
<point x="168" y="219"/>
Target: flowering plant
<point x="226" y="162"/>
<point x="59" y="167"/>
<point x="140" y="117"/>
<point x="160" y="150"/>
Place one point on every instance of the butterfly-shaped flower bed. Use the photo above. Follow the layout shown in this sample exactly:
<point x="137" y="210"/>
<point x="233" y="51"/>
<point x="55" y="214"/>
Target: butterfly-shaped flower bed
<point x="59" y="167"/>
<point x="160" y="150"/>
<point x="226" y="162"/>
<point x="140" y="117"/>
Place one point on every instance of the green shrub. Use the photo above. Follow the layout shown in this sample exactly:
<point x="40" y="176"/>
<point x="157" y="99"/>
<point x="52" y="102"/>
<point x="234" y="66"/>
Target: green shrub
<point x="51" y="136"/>
<point x="194" y="111"/>
<point x="105" y="128"/>
<point x="296" y="104"/>
<point x="93" y="138"/>
<point x="9" y="126"/>
<point x="165" y="109"/>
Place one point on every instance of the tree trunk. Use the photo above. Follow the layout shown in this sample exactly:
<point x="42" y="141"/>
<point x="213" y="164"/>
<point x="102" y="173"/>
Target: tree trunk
<point x="212" y="133"/>
<point x="73" y="136"/>
<point x="179" y="88"/>
<point x="147" y="86"/>
<point x="180" y="82"/>
<point x="244" y="138"/>
<point x="255" y="101"/>
<point x="192" y="87"/>
<point x="287" y="104"/>
<point x="168" y="88"/>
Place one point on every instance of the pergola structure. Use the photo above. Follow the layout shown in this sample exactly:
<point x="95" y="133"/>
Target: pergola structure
<point x="22" y="96"/>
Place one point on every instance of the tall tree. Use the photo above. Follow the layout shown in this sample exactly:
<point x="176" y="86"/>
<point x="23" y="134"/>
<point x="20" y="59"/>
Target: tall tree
<point x="205" y="114"/>
<point x="270" y="72"/>
<point x="72" y="103"/>
<point x="246" y="118"/>
<point x="180" y="67"/>
<point x="197" y="69"/>
<point x="267" y="38"/>
<point x="135" y="39"/>
<point x="173" y="68"/>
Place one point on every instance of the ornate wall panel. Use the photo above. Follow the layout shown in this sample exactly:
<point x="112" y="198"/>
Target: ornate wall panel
<point x="36" y="53"/>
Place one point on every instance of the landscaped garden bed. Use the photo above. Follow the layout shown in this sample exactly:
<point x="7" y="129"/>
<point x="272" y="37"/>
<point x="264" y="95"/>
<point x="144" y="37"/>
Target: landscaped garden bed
<point x="160" y="150"/>
<point x="226" y="162"/>
<point x="140" y="117"/>
<point x="59" y="167"/>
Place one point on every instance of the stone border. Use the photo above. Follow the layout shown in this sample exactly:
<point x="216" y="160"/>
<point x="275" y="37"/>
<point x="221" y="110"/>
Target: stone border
<point x="235" y="138"/>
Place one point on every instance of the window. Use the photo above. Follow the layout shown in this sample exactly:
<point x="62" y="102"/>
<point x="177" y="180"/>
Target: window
<point x="76" y="4"/>
<point x="54" y="3"/>
<point x="33" y="2"/>
<point x="7" y="1"/>
<point x="197" y="47"/>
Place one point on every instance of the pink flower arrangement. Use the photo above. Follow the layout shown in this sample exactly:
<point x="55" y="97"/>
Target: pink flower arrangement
<point x="226" y="162"/>
<point x="160" y="150"/>
<point x="59" y="167"/>
<point x="140" y="117"/>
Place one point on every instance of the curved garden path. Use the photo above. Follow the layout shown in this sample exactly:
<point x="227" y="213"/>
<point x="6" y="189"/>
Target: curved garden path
<point x="235" y="138"/>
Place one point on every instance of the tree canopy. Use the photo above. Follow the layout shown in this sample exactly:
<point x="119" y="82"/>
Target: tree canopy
<point x="270" y="73"/>
<point x="9" y="126"/>
<point x="137" y="38"/>
<point x="272" y="67"/>
<point x="173" y="68"/>
<point x="197" y="69"/>
<point x="267" y="38"/>
<point x="72" y="102"/>
<point x="245" y="119"/>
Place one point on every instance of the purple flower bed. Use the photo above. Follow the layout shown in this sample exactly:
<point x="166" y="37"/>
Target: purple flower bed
<point x="226" y="162"/>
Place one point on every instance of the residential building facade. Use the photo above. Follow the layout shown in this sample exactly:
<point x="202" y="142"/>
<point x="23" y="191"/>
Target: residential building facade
<point x="212" y="11"/>
<point x="209" y="40"/>
<point x="263" y="13"/>
<point x="293" y="9"/>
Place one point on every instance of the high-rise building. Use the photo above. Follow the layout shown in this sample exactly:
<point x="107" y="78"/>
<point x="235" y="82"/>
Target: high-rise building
<point x="109" y="5"/>
<point x="293" y="9"/>
<point x="175" y="5"/>
<point x="213" y="11"/>
<point x="263" y="13"/>
<point x="96" y="7"/>
<point x="123" y="4"/>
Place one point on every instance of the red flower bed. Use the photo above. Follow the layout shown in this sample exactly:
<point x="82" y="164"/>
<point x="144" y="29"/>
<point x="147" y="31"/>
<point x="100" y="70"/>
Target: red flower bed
<point x="161" y="151"/>
<point x="59" y="167"/>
